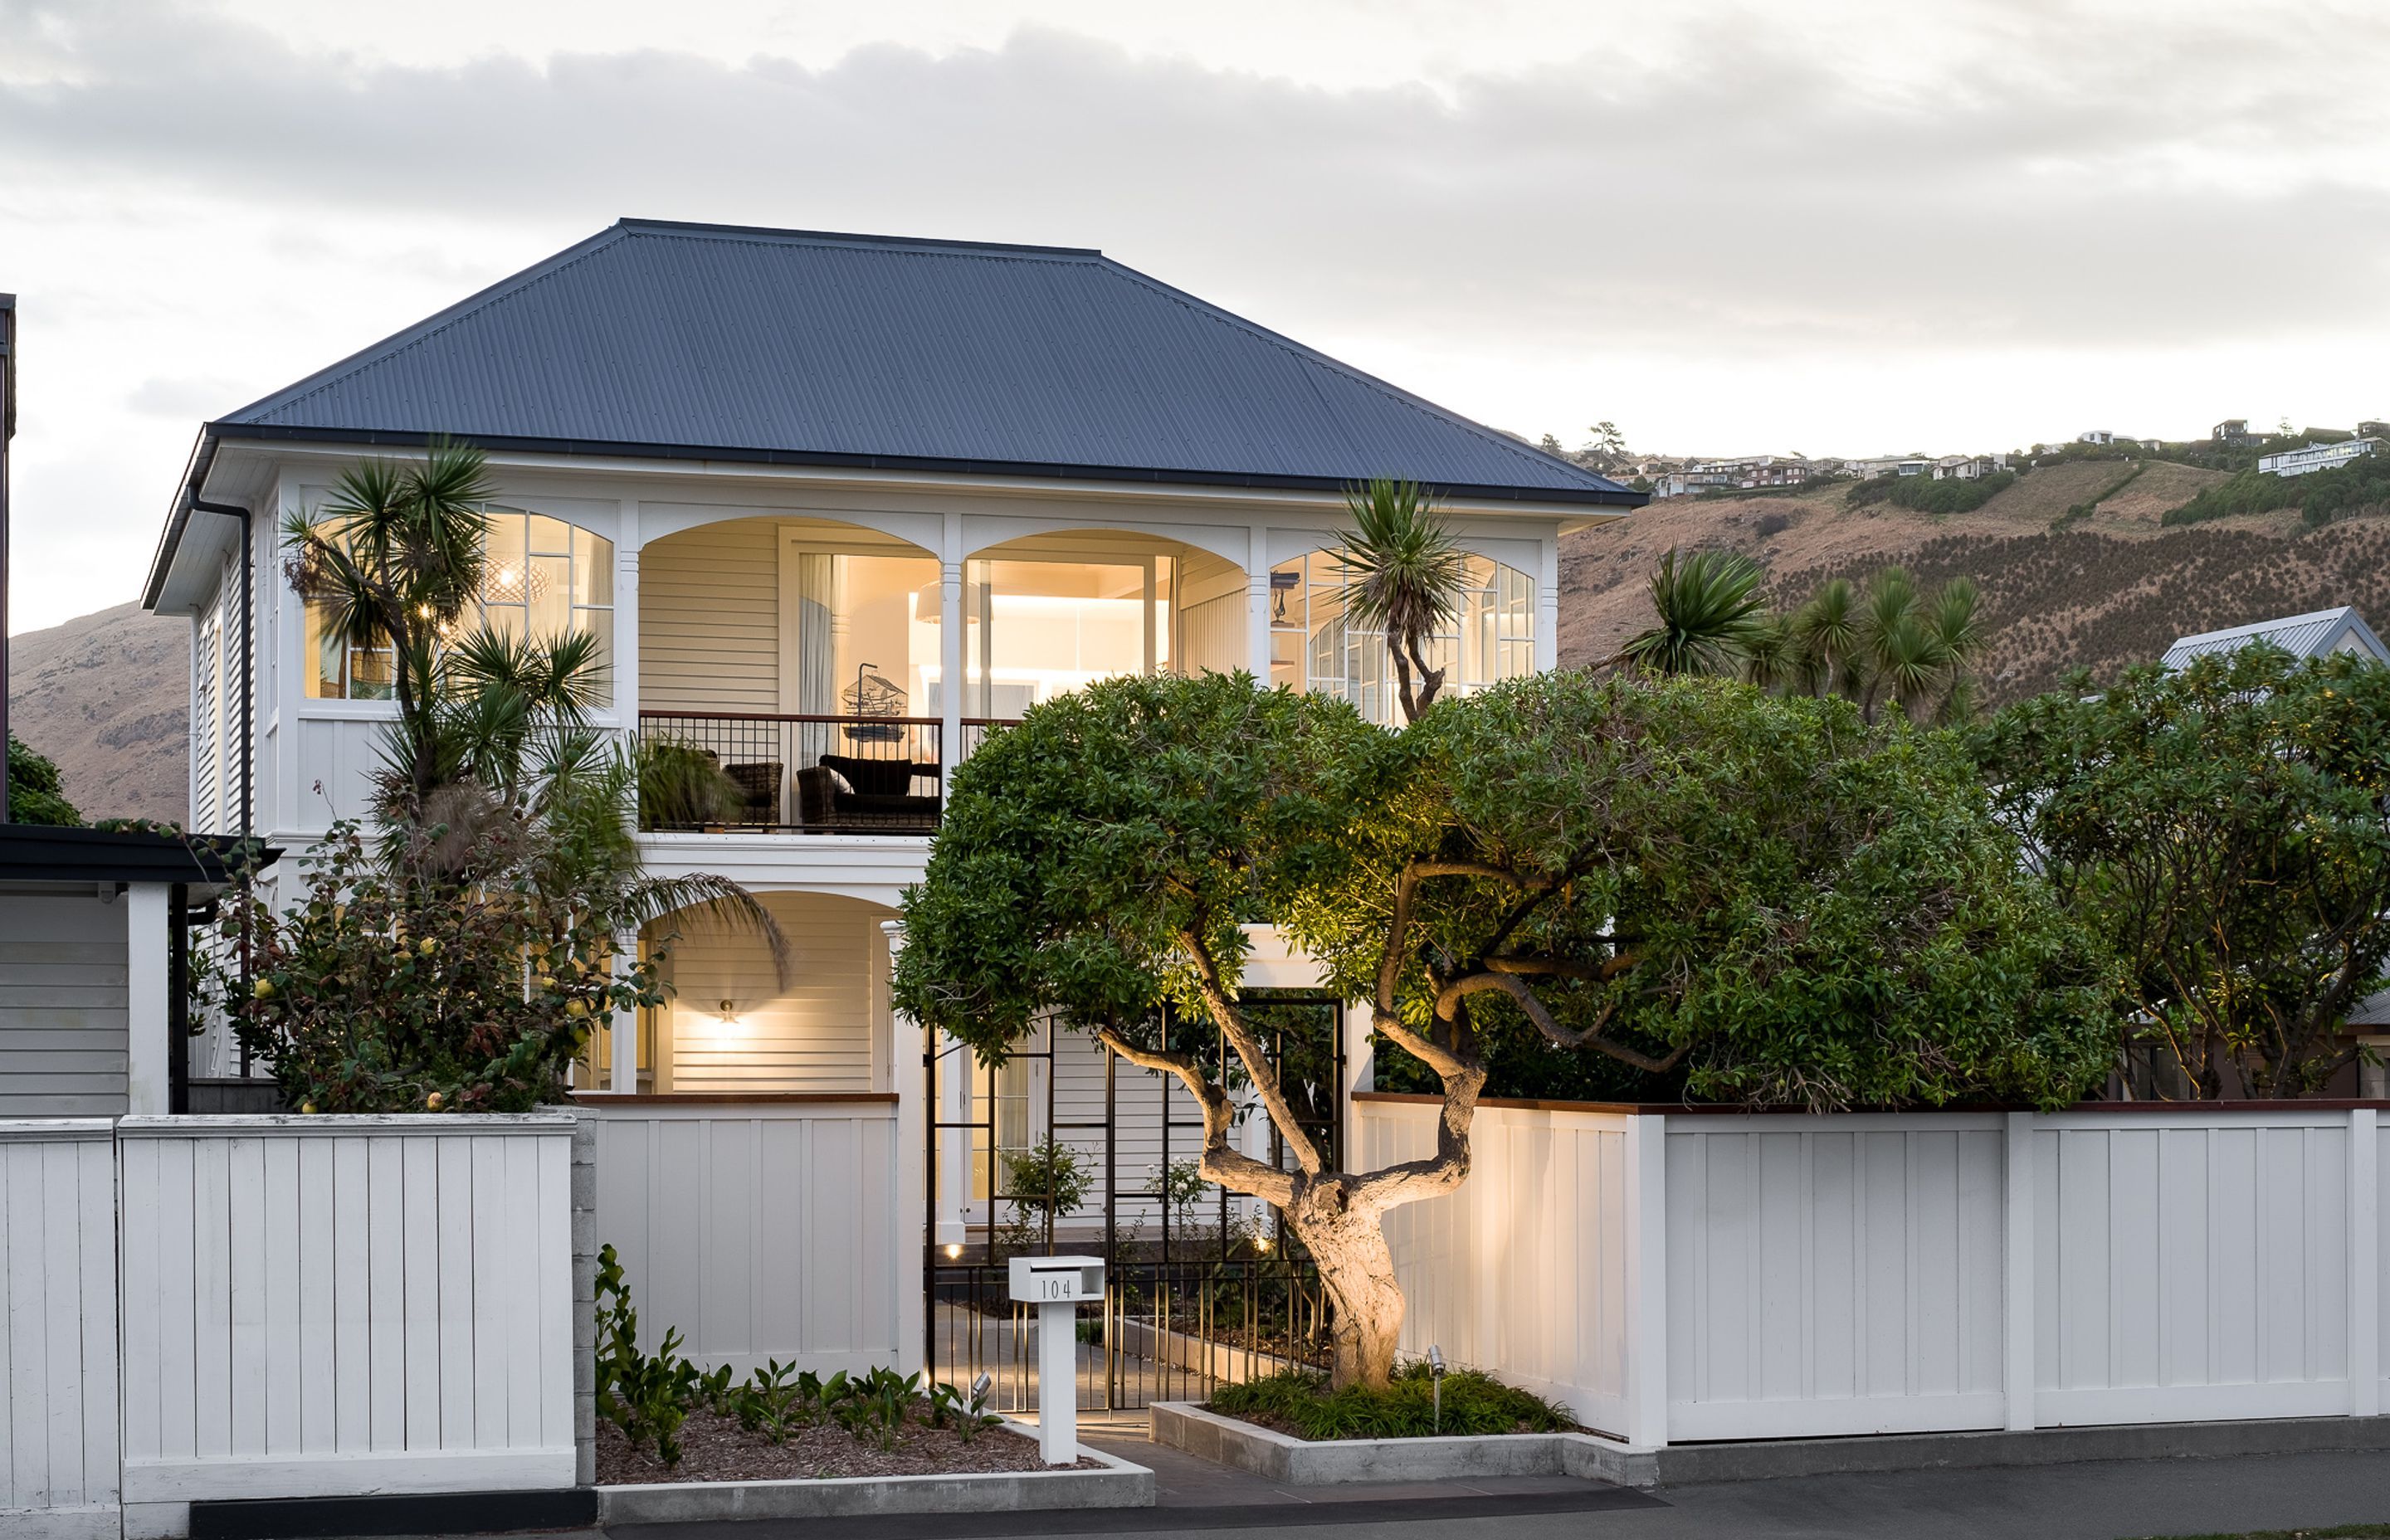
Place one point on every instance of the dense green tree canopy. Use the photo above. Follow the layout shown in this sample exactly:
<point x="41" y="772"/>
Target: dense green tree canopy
<point x="35" y="795"/>
<point x="1686" y="876"/>
<point x="2224" y="828"/>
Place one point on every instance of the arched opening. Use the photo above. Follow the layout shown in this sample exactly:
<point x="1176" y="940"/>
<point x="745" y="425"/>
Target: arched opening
<point x="1050" y="613"/>
<point x="1315" y="646"/>
<point x="790" y="678"/>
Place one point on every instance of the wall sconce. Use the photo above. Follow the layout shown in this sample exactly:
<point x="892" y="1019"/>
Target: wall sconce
<point x="728" y="1012"/>
<point x="954" y="1249"/>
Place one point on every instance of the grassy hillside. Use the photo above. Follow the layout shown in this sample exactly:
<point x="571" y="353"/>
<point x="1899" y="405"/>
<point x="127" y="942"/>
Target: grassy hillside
<point x="106" y="696"/>
<point x="2104" y="588"/>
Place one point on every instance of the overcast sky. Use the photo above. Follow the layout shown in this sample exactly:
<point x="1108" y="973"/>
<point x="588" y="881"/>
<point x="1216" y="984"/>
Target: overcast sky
<point x="1765" y="225"/>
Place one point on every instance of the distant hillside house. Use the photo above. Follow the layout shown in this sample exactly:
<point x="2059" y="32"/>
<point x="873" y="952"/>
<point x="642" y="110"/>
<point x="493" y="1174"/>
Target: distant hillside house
<point x="2369" y="429"/>
<point x="2319" y="634"/>
<point x="2317" y="456"/>
<point x="2230" y="431"/>
<point x="1967" y="468"/>
<point x="2095" y="435"/>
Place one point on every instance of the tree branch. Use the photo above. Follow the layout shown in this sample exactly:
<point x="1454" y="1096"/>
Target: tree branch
<point x="1258" y="1067"/>
<point x="1222" y="1161"/>
<point x="1540" y="1014"/>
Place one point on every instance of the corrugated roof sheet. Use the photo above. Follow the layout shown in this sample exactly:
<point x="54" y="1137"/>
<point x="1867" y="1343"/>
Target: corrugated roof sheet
<point x="858" y="349"/>
<point x="2309" y="635"/>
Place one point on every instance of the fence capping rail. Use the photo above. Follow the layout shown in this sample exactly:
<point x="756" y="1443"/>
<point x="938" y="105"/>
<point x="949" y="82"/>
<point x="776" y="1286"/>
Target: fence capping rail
<point x="2289" y="1105"/>
<point x="54" y="1130"/>
<point x="554" y="1124"/>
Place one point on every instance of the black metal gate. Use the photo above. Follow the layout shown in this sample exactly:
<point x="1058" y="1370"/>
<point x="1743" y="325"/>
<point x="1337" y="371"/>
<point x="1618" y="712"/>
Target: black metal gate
<point x="1202" y="1286"/>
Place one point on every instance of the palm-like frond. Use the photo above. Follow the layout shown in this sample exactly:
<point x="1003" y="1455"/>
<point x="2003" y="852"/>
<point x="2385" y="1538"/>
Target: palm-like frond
<point x="1711" y="612"/>
<point x="1405" y="576"/>
<point x="1827" y="631"/>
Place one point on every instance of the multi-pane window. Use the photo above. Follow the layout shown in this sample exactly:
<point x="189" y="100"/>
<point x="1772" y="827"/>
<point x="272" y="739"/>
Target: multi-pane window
<point x="541" y="578"/>
<point x="1314" y="647"/>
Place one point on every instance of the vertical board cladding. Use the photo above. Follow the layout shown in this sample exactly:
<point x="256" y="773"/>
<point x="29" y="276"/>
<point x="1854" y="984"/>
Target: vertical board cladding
<point x="2191" y="1266"/>
<point x="709" y="619"/>
<point x="332" y="1305"/>
<point x="63" y="1005"/>
<point x="761" y="1230"/>
<point x="339" y="755"/>
<point x="58" y="1471"/>
<point x="1522" y="1270"/>
<point x="1833" y="1275"/>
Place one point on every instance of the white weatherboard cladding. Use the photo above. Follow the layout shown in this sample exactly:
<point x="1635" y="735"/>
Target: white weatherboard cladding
<point x="59" y="1473"/>
<point x="1851" y="1275"/>
<point x="316" y="1306"/>
<point x="763" y="1230"/>
<point x="709" y="620"/>
<point x="816" y="1033"/>
<point x="63" y="1005"/>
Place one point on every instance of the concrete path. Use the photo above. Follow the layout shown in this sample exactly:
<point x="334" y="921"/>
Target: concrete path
<point x="2073" y="1502"/>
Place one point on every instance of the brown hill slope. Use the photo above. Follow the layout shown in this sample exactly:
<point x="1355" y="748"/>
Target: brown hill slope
<point x="2103" y="591"/>
<point x="106" y="696"/>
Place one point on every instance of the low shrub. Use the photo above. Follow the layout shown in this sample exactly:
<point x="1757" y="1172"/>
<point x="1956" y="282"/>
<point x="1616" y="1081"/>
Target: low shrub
<point x="650" y="1395"/>
<point x="1924" y="494"/>
<point x="1299" y="1402"/>
<point x="2322" y="496"/>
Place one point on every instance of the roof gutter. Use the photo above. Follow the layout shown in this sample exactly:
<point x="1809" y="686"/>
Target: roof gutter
<point x="187" y="497"/>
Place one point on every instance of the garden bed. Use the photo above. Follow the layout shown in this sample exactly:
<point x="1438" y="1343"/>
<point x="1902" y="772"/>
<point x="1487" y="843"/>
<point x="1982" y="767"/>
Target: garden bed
<point x="1297" y="1402"/>
<point x="716" y="1448"/>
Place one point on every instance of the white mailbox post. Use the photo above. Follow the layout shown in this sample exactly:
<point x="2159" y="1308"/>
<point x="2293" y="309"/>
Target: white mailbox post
<point x="1056" y="1285"/>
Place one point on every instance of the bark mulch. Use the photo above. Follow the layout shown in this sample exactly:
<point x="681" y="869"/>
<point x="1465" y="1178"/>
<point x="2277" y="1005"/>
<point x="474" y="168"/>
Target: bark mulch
<point x="714" y="1448"/>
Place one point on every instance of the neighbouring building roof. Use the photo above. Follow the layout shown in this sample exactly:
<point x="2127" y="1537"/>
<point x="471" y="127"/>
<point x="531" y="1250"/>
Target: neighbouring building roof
<point x="2312" y="636"/>
<point x="716" y="341"/>
<point x="37" y="852"/>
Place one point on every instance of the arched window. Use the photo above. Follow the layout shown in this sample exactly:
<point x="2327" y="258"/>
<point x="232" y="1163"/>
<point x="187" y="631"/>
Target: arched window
<point x="1312" y="648"/>
<point x="544" y="578"/>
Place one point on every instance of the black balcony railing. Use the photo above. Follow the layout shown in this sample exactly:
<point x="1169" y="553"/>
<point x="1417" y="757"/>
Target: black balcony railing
<point x="788" y="773"/>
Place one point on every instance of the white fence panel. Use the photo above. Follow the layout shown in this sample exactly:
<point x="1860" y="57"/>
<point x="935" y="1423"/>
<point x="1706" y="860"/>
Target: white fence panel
<point x="771" y="1228"/>
<point x="2190" y="1265"/>
<point x="327" y="1305"/>
<point x="1833" y="1275"/>
<point x="57" y="1329"/>
<point x="1524" y="1269"/>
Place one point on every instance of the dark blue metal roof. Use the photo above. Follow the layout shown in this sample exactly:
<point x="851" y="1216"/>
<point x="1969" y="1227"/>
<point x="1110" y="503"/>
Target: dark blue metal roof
<point x="670" y="339"/>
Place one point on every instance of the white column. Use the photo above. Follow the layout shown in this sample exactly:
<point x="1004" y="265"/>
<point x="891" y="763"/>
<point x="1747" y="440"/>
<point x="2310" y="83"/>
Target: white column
<point x="147" y="1017"/>
<point x="626" y="621"/>
<point x="950" y="648"/>
<point x="912" y="1174"/>
<point x="2364" y="1265"/>
<point x="623" y="1026"/>
<point x="1257" y="604"/>
<point x="1548" y="605"/>
<point x="1646" y="1281"/>
<point x="2017" y="1283"/>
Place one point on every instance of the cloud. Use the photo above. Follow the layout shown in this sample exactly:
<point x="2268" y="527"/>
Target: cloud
<point x="1729" y="224"/>
<point x="2070" y="181"/>
<point x="183" y="399"/>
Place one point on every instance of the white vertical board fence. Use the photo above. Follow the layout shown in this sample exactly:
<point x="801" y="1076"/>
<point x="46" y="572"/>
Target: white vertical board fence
<point x="1526" y="1266"/>
<point x="774" y="1228"/>
<point x="59" y="1473"/>
<point x="1910" y="1272"/>
<point x="320" y="1305"/>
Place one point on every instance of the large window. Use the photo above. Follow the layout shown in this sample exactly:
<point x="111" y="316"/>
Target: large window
<point x="1314" y="649"/>
<point x="1035" y="629"/>
<point x="543" y="577"/>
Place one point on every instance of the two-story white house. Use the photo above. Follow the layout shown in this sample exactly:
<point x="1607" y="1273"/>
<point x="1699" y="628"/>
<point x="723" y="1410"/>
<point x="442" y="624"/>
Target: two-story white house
<point x="835" y="506"/>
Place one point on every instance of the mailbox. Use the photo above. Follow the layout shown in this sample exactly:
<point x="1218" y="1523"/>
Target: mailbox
<point x="1056" y="1281"/>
